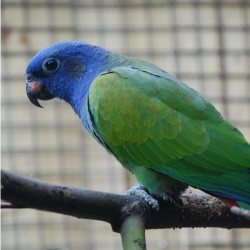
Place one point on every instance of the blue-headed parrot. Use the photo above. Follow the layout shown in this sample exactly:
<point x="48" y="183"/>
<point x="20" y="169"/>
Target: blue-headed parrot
<point x="164" y="132"/>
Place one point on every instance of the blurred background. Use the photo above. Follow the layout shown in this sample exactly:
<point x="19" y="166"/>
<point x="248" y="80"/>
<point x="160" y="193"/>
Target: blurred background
<point x="205" y="43"/>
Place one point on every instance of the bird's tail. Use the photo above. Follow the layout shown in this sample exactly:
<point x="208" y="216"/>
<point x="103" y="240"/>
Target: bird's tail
<point x="243" y="205"/>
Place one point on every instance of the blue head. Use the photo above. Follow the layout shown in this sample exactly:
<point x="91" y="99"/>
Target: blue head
<point x="65" y="70"/>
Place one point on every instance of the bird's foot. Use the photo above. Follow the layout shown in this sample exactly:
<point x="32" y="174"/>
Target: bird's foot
<point x="142" y="192"/>
<point x="240" y="212"/>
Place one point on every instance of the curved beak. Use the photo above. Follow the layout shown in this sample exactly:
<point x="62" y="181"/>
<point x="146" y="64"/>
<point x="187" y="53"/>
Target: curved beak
<point x="36" y="90"/>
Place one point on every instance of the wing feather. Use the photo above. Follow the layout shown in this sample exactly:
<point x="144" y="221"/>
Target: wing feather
<point x="169" y="127"/>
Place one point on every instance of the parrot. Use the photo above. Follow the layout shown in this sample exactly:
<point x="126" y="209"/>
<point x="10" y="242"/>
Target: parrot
<point x="161" y="130"/>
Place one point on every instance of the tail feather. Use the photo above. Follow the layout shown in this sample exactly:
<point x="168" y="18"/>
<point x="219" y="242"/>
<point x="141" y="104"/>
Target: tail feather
<point x="230" y="202"/>
<point x="243" y="205"/>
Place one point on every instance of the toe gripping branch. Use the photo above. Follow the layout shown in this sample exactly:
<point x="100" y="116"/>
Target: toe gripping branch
<point x="141" y="191"/>
<point x="240" y="212"/>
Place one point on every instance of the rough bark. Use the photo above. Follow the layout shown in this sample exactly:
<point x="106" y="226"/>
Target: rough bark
<point x="193" y="211"/>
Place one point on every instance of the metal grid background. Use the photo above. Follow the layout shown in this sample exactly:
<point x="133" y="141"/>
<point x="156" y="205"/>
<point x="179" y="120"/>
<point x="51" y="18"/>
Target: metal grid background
<point x="205" y="43"/>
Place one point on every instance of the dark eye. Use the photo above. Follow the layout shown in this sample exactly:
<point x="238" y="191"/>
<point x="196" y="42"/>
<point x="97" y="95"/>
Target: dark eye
<point x="51" y="65"/>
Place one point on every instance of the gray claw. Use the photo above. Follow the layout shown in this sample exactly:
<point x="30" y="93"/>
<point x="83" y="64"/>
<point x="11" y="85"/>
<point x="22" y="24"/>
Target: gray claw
<point x="167" y="198"/>
<point x="142" y="192"/>
<point x="240" y="212"/>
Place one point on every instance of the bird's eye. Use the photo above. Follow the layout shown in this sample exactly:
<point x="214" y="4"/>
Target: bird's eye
<point x="51" y="65"/>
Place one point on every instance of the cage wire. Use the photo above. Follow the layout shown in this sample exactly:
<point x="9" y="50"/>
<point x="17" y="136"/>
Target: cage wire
<point x="204" y="43"/>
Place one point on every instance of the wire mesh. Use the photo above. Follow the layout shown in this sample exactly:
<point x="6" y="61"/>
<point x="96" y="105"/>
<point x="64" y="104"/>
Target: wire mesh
<point x="204" y="43"/>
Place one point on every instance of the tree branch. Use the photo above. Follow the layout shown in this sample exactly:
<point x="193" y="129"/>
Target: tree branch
<point x="195" y="211"/>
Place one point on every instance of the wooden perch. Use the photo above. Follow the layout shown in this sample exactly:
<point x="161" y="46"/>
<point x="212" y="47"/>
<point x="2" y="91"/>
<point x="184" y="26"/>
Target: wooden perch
<point x="128" y="215"/>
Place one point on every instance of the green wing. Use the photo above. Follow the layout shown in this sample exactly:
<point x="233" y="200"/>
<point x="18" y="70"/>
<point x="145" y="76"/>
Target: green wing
<point x="155" y="121"/>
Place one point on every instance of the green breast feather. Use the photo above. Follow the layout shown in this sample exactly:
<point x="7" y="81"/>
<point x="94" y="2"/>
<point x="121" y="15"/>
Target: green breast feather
<point x="156" y="121"/>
